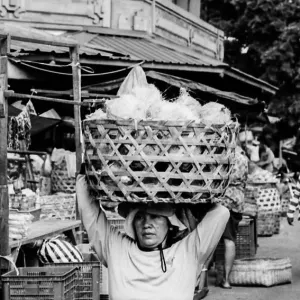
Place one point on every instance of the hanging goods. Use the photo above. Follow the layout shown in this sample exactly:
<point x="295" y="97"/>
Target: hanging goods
<point x="19" y="130"/>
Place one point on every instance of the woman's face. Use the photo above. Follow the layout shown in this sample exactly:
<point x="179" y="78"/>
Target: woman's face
<point x="150" y="229"/>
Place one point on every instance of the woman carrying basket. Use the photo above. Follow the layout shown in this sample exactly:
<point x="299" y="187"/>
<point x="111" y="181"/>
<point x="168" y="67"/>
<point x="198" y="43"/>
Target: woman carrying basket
<point x="149" y="262"/>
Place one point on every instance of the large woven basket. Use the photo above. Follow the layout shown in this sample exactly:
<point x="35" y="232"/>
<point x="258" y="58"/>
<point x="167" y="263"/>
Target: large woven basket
<point x="261" y="271"/>
<point x="60" y="180"/>
<point x="160" y="161"/>
<point x="268" y="198"/>
<point x="58" y="206"/>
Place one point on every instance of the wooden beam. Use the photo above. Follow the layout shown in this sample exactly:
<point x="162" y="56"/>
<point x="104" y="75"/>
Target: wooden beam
<point x="4" y="206"/>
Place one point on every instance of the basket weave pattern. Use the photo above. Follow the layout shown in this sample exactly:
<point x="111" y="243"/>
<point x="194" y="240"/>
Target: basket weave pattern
<point x="261" y="271"/>
<point x="160" y="161"/>
<point x="285" y="200"/>
<point x="265" y="222"/>
<point x="268" y="198"/>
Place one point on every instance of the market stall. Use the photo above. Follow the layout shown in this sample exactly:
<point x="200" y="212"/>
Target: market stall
<point x="40" y="229"/>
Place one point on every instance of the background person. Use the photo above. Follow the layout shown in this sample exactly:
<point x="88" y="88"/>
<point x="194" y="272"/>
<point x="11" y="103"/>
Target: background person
<point x="266" y="158"/>
<point x="234" y="201"/>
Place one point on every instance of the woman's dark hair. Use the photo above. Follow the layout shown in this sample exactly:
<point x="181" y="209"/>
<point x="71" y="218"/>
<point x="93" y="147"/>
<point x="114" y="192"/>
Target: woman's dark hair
<point x="174" y="235"/>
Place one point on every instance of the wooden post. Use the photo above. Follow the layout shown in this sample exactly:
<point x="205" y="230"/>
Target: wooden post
<point x="4" y="206"/>
<point x="77" y="111"/>
<point x="77" y="98"/>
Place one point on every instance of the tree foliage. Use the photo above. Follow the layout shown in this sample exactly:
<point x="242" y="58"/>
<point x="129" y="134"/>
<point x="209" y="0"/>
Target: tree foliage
<point x="270" y="31"/>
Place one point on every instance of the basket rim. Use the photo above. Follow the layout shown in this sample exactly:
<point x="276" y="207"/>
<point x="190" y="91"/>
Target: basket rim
<point x="261" y="264"/>
<point x="153" y="123"/>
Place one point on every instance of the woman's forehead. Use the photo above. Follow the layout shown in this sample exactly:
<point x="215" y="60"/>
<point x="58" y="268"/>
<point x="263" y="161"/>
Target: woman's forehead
<point x="145" y="213"/>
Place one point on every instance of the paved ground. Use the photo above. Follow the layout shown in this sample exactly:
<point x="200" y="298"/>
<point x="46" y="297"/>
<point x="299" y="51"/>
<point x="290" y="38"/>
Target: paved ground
<point x="285" y="244"/>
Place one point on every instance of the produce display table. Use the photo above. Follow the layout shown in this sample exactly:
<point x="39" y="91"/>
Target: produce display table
<point x="45" y="228"/>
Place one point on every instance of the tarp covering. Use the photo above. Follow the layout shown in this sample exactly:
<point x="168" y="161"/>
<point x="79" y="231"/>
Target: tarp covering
<point x="196" y="86"/>
<point x="39" y="124"/>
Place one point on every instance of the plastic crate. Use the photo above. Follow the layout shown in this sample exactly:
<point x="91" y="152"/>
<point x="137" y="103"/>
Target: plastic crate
<point x="88" y="277"/>
<point x="40" y="283"/>
<point x="245" y="241"/>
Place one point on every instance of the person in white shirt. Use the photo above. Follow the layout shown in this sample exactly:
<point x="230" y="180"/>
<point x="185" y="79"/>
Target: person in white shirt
<point x="148" y="262"/>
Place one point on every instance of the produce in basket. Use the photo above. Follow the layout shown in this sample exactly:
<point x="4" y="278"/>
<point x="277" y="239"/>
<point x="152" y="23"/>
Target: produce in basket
<point x="214" y="113"/>
<point x="146" y="103"/>
<point x="260" y="176"/>
<point x="142" y="101"/>
<point x="190" y="102"/>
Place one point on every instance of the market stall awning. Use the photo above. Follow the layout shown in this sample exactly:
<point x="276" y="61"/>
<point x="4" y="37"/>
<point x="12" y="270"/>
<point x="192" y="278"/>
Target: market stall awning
<point x="39" y="124"/>
<point x="157" y="53"/>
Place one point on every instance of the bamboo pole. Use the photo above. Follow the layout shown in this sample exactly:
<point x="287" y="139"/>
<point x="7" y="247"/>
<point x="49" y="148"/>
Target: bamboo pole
<point x="24" y="152"/>
<point x="4" y="206"/>
<point x="84" y="94"/>
<point x="11" y="94"/>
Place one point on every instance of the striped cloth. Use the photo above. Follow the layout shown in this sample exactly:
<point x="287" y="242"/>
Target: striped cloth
<point x="56" y="250"/>
<point x="294" y="188"/>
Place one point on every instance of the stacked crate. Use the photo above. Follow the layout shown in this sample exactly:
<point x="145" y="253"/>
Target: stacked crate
<point x="245" y="241"/>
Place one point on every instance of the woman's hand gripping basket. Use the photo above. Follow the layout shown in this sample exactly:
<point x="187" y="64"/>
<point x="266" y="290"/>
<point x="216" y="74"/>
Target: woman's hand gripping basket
<point x="159" y="161"/>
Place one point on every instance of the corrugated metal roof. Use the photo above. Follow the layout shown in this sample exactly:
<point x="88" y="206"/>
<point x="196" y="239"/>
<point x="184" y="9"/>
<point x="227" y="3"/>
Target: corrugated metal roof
<point x="144" y="49"/>
<point x="19" y="48"/>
